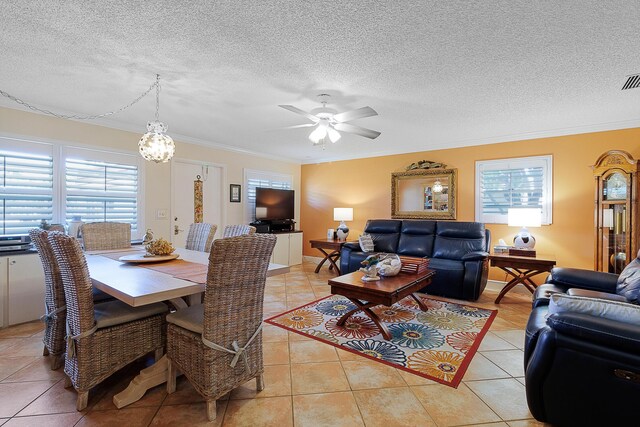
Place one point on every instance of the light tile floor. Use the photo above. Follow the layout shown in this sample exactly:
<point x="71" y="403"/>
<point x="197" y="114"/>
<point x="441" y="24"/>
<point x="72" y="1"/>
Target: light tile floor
<point x="307" y="383"/>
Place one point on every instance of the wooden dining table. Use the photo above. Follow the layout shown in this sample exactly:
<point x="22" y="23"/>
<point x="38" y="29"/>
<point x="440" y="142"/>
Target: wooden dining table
<point x="138" y="284"/>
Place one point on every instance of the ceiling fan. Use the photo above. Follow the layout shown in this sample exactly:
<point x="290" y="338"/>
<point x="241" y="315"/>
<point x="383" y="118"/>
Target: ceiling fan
<point x="329" y="123"/>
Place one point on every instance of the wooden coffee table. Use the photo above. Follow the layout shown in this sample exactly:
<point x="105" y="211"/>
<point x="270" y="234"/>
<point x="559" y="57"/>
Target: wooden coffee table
<point x="386" y="291"/>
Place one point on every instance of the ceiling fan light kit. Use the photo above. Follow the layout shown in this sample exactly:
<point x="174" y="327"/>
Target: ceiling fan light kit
<point x="329" y="123"/>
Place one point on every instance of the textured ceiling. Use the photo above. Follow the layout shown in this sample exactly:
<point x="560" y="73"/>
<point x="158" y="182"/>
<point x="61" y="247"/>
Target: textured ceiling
<point x="439" y="73"/>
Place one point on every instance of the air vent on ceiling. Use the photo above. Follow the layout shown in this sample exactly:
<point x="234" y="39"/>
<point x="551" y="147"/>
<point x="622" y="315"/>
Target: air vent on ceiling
<point x="632" y="82"/>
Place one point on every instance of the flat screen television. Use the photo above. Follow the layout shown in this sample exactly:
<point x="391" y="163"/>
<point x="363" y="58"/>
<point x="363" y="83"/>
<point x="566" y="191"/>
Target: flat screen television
<point x="273" y="204"/>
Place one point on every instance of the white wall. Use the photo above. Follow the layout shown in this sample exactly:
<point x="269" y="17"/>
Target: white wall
<point x="31" y="126"/>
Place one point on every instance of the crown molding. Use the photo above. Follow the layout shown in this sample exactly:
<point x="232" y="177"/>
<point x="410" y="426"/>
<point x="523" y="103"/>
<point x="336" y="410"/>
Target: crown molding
<point x="551" y="133"/>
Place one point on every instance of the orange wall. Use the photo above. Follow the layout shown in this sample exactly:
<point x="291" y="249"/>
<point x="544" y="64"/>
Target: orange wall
<point x="365" y="185"/>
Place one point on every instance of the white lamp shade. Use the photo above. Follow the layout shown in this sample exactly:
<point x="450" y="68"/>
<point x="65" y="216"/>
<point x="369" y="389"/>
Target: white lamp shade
<point x="319" y="133"/>
<point x="343" y="214"/>
<point x="334" y="135"/>
<point x="524" y="217"/>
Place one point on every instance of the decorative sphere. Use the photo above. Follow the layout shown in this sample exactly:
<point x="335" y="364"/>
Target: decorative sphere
<point x="524" y="241"/>
<point x="155" y="146"/>
<point x="618" y="261"/>
<point x="342" y="233"/>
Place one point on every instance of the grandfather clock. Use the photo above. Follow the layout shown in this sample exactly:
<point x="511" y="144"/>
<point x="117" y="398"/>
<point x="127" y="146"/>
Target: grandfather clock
<point x="616" y="210"/>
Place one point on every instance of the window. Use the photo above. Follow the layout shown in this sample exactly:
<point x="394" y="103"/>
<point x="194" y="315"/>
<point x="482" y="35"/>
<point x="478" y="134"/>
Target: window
<point x="54" y="182"/>
<point x="26" y="191"/>
<point x="524" y="182"/>
<point x="254" y="179"/>
<point x="99" y="191"/>
<point x="101" y="186"/>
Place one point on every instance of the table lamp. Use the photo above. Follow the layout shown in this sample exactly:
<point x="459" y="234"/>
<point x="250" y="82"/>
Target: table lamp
<point x="342" y="215"/>
<point x="524" y="217"/>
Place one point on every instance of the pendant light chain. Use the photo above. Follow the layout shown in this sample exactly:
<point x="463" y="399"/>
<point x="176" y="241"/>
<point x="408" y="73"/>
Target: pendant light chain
<point x="155" y="84"/>
<point x="157" y="97"/>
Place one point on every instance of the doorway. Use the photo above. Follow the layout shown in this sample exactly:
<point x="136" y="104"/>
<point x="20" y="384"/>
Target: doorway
<point x="183" y="175"/>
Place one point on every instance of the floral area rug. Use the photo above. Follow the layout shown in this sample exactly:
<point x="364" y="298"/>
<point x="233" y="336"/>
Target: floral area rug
<point x="437" y="344"/>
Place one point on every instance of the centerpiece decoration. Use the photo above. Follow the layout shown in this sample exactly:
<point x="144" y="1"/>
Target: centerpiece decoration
<point x="159" y="247"/>
<point x="389" y="265"/>
<point x="370" y="268"/>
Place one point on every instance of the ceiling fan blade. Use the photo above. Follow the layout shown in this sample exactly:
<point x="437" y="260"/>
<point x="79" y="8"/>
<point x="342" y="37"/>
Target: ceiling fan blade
<point x="355" y="114"/>
<point x="299" y="126"/>
<point x="346" y="127"/>
<point x="301" y="112"/>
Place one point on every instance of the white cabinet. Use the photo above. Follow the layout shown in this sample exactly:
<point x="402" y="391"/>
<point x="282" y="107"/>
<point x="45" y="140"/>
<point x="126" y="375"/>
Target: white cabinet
<point x="288" y="249"/>
<point x="281" y="250"/>
<point x="22" y="288"/>
<point x="295" y="248"/>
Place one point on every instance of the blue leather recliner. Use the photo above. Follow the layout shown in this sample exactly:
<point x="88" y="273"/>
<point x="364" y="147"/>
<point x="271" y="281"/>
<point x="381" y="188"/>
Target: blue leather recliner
<point x="583" y="368"/>
<point x="458" y="252"/>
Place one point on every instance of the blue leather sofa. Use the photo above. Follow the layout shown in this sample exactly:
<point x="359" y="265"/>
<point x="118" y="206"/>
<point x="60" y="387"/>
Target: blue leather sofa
<point x="458" y="252"/>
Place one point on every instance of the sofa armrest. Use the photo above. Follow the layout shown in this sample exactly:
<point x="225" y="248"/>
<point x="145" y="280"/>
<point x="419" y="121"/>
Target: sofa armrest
<point x="476" y="272"/>
<point x="351" y="246"/>
<point x="598" y="330"/>
<point x="475" y="256"/>
<point x="583" y="279"/>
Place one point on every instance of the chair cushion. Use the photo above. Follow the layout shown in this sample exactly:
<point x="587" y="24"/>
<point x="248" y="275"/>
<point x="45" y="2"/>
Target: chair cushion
<point x="416" y="238"/>
<point x="455" y="239"/>
<point x="189" y="318"/>
<point x="366" y="242"/>
<point x="629" y="282"/>
<point x="613" y="310"/>
<point x="385" y="234"/>
<point x="112" y="313"/>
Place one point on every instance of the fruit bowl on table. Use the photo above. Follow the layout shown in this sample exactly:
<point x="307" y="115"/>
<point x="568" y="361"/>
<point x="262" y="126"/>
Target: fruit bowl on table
<point x="157" y="250"/>
<point x="147" y="258"/>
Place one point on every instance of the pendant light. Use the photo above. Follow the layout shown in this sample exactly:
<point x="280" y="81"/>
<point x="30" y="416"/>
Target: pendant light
<point x="156" y="145"/>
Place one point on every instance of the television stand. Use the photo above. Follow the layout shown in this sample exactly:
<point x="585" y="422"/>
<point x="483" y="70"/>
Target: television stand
<point x="274" y="225"/>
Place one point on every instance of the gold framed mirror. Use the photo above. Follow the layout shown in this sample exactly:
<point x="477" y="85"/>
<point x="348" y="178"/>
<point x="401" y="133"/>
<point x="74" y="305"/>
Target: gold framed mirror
<point x="424" y="194"/>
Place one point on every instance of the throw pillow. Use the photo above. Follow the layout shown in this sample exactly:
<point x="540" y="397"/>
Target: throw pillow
<point x="613" y="310"/>
<point x="629" y="282"/>
<point x="366" y="243"/>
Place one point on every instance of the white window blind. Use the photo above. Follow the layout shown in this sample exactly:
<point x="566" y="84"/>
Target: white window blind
<point x="263" y="179"/>
<point x="26" y="191"/>
<point x="513" y="183"/>
<point x="101" y="191"/>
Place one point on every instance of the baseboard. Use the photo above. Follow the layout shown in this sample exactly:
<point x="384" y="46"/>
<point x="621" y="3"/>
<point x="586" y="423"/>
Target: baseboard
<point x="314" y="259"/>
<point x="497" y="285"/>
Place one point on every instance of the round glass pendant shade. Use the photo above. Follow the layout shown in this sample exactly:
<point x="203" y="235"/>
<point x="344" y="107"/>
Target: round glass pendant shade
<point x="154" y="145"/>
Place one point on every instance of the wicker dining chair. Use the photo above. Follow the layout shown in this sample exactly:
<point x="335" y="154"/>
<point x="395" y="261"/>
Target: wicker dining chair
<point x="238" y="230"/>
<point x="200" y="237"/>
<point x="104" y="338"/>
<point x="218" y="344"/>
<point x="105" y="235"/>
<point x="55" y="306"/>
